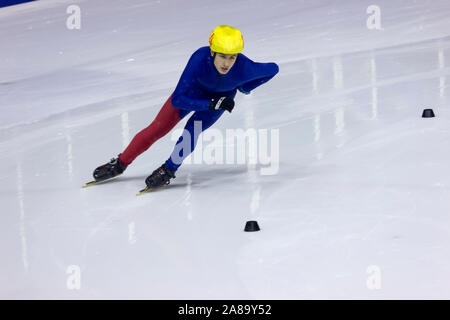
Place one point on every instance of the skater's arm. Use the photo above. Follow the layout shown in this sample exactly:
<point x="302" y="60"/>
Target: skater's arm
<point x="257" y="73"/>
<point x="180" y="98"/>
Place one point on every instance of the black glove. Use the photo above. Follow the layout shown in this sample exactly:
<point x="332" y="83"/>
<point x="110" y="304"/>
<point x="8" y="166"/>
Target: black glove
<point x="224" y="103"/>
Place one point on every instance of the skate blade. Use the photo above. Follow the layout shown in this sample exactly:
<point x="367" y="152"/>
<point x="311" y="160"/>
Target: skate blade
<point x="89" y="183"/>
<point x="146" y="189"/>
<point x="95" y="181"/>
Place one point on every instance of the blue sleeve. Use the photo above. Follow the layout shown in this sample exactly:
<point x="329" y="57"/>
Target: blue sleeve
<point x="180" y="97"/>
<point x="257" y="74"/>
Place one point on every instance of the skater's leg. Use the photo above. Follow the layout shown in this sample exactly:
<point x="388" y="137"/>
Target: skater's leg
<point x="166" y="119"/>
<point x="205" y="119"/>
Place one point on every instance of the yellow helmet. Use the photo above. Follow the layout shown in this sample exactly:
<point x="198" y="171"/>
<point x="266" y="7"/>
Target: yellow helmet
<point x="226" y="39"/>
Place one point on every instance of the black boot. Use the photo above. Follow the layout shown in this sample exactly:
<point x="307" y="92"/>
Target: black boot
<point x="109" y="170"/>
<point x="159" y="177"/>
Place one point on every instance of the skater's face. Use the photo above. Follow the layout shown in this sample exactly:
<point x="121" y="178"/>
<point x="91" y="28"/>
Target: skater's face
<point x="224" y="62"/>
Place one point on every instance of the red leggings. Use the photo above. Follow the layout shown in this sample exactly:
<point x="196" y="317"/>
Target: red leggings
<point x="165" y="120"/>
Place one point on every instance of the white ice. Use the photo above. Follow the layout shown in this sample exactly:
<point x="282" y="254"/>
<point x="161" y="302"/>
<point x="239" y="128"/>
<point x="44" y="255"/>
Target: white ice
<point x="359" y="208"/>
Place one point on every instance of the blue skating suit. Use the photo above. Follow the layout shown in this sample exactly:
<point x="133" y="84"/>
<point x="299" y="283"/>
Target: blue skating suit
<point x="201" y="82"/>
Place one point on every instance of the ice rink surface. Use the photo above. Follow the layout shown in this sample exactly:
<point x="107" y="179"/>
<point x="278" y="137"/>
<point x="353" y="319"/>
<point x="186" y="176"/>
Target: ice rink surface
<point x="356" y="208"/>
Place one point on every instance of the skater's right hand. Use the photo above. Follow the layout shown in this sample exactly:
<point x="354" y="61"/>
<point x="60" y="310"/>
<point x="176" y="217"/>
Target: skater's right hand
<point x="224" y="103"/>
